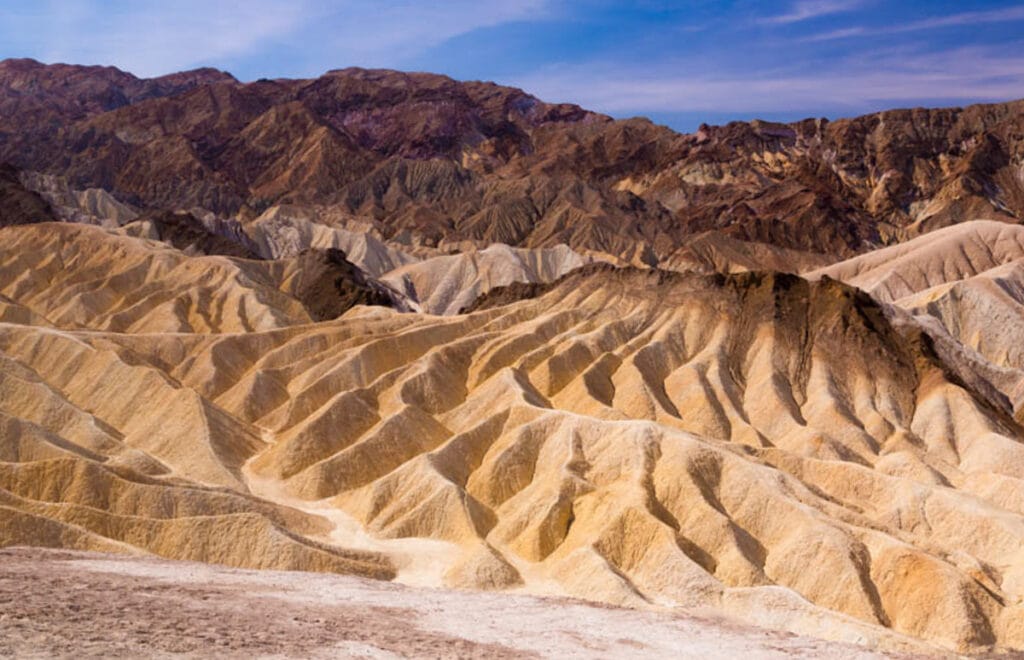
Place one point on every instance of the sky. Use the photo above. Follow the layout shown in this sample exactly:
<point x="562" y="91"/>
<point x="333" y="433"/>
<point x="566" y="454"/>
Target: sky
<point x="679" y="63"/>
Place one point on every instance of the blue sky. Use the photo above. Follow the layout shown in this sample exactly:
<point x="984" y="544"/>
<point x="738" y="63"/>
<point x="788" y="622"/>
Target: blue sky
<point x="680" y="63"/>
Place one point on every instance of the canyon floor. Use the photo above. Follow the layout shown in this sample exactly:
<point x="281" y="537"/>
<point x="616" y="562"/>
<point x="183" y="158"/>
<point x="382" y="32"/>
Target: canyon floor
<point x="58" y="603"/>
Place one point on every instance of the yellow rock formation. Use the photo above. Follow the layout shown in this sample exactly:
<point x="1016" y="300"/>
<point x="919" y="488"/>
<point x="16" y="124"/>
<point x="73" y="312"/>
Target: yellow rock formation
<point x="782" y="449"/>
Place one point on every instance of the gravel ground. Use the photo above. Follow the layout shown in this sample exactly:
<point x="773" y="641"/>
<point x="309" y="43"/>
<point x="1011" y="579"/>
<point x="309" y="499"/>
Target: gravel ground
<point x="56" y="603"/>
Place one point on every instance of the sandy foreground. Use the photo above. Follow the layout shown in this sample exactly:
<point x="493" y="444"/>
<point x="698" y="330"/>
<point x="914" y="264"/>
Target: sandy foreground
<point x="74" y="604"/>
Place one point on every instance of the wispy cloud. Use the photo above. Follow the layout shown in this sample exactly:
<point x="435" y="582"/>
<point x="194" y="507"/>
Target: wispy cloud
<point x="151" y="37"/>
<point x="809" y="9"/>
<point x="964" y="18"/>
<point x="147" y="38"/>
<point x="387" y="33"/>
<point x="1010" y="14"/>
<point x="852" y="85"/>
<point x="832" y="35"/>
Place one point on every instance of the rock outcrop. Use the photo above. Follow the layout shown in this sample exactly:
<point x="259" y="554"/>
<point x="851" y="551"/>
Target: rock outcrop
<point x="445" y="333"/>
<point x="427" y="160"/>
<point x="18" y="205"/>
<point x="757" y="443"/>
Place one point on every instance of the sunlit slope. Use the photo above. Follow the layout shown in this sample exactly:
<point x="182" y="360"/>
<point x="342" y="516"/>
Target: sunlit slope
<point x="79" y="276"/>
<point x="101" y="452"/>
<point x="759" y="443"/>
<point x="965" y="281"/>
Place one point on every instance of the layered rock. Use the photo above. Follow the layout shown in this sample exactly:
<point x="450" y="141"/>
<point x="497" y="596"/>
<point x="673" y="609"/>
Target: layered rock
<point x="19" y="205"/>
<point x="224" y="367"/>
<point x="782" y="449"/>
<point x="426" y="160"/>
<point x="965" y="284"/>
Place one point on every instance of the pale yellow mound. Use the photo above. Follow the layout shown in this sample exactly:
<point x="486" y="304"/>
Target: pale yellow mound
<point x="947" y="255"/>
<point x="760" y="444"/>
<point x="79" y="276"/>
<point x="448" y="284"/>
<point x="434" y="283"/>
<point x="285" y="231"/>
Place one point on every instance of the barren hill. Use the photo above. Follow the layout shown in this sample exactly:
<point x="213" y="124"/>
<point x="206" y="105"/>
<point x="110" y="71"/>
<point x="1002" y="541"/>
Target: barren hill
<point x="432" y="159"/>
<point x="965" y="283"/>
<point x="408" y="328"/>
<point x="757" y="443"/>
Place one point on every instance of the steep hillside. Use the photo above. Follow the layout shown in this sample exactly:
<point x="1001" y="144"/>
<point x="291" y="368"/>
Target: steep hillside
<point x="18" y="205"/>
<point x="427" y="159"/>
<point x="966" y="285"/>
<point x="444" y="333"/>
<point x="779" y="449"/>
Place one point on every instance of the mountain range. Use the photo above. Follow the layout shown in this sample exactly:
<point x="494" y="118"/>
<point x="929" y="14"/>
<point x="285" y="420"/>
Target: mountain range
<point x="404" y="327"/>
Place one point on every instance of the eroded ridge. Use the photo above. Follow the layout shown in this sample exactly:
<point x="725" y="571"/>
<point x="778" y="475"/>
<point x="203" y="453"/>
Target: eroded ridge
<point x="766" y="445"/>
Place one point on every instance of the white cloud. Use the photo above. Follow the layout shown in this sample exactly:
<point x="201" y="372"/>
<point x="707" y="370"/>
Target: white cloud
<point x="387" y="32"/>
<point x="960" y="75"/>
<point x="150" y="37"/>
<point x="804" y="10"/>
<point x="964" y="18"/>
<point x="1010" y="14"/>
<point x="842" y="33"/>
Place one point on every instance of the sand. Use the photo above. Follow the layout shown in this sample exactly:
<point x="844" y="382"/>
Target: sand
<point x="73" y="604"/>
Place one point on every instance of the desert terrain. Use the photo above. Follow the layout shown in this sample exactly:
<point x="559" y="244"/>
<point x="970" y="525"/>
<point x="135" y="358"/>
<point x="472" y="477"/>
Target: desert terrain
<point x="438" y="354"/>
<point x="113" y="606"/>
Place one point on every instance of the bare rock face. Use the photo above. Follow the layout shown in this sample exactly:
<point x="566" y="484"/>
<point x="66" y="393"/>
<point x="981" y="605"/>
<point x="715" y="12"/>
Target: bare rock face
<point x="965" y="285"/>
<point x="19" y="206"/>
<point x="430" y="159"/>
<point x="69" y="91"/>
<point x="93" y="206"/>
<point x="447" y="284"/>
<point x="328" y="285"/>
<point x="37" y="101"/>
<point x="188" y="234"/>
<point x="444" y="333"/>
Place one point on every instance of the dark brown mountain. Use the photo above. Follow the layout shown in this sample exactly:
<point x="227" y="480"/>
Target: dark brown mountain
<point x="328" y="285"/>
<point x="882" y="178"/>
<point x="40" y="103"/>
<point x="439" y="160"/>
<point x="19" y="206"/>
<point x="188" y="234"/>
<point x="69" y="92"/>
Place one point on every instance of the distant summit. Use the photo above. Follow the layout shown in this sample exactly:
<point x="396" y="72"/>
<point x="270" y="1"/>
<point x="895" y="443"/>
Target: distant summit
<point x="435" y="159"/>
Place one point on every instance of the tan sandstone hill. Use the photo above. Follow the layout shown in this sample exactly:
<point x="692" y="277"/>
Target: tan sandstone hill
<point x="965" y="282"/>
<point x="779" y="449"/>
<point x="444" y="333"/>
<point x="448" y="284"/>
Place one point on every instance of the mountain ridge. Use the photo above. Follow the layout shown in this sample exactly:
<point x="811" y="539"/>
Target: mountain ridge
<point x="433" y="158"/>
<point x="443" y="333"/>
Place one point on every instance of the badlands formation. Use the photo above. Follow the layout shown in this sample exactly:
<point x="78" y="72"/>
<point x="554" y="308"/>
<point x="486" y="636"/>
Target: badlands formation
<point x="403" y="328"/>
